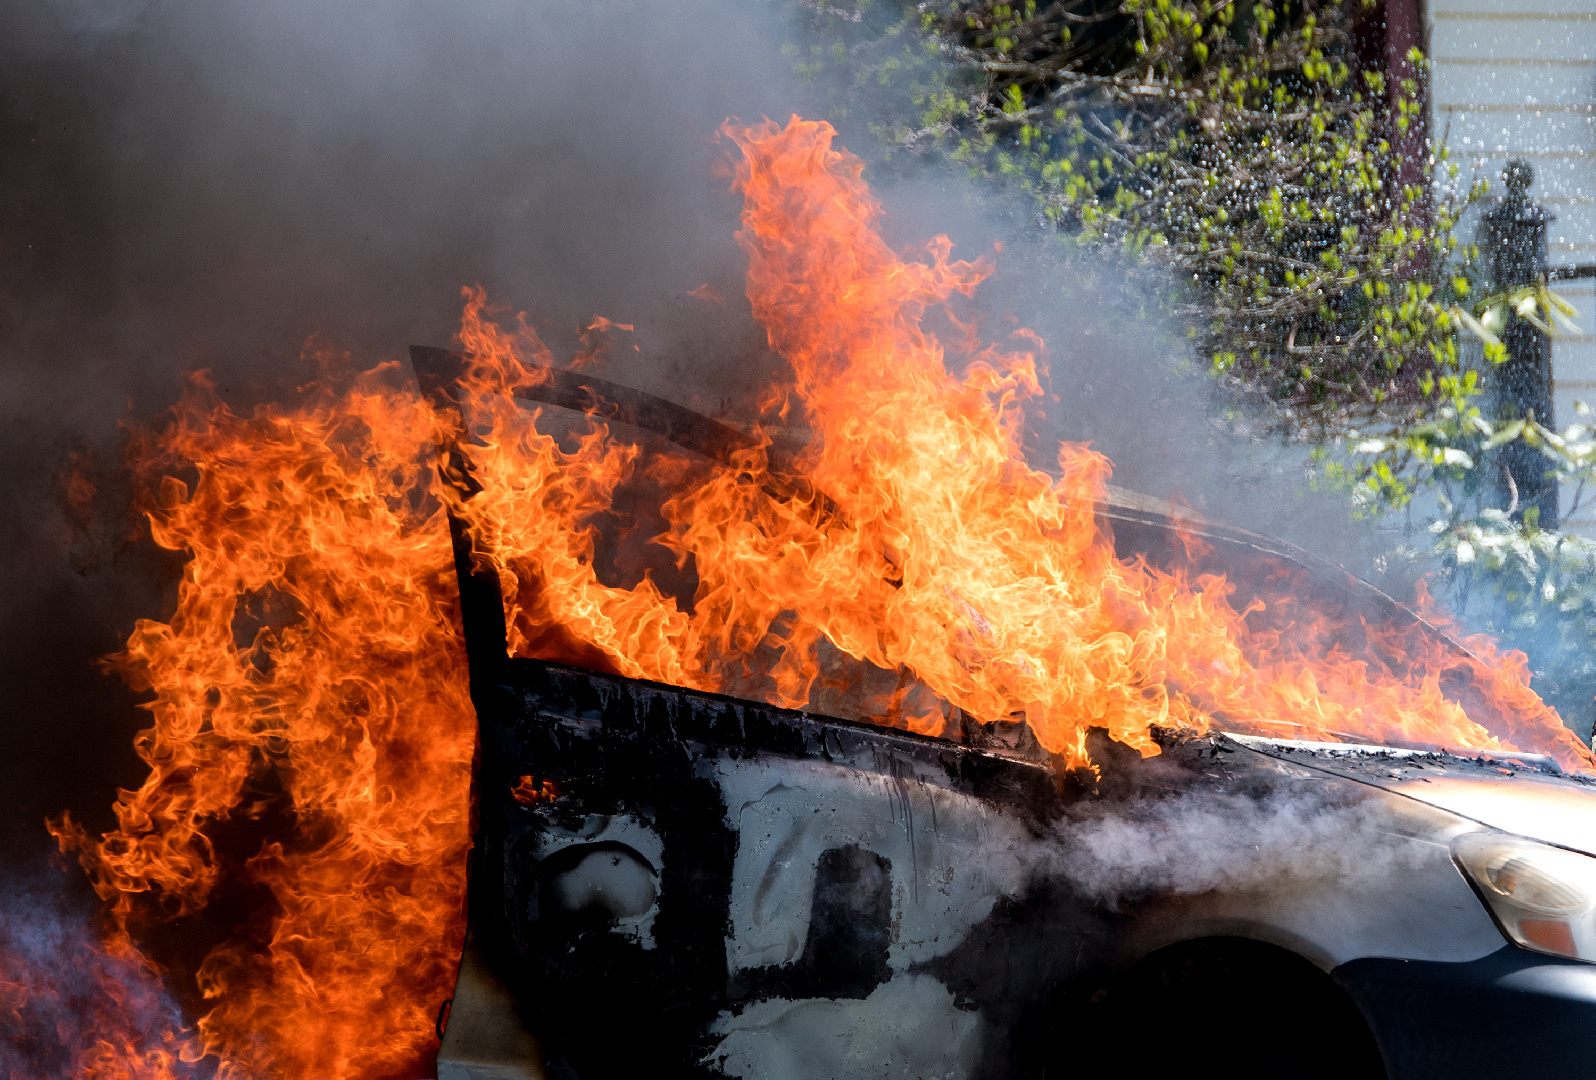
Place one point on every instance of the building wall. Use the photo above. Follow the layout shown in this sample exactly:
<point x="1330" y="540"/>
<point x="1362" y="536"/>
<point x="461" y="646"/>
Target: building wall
<point x="1517" y="78"/>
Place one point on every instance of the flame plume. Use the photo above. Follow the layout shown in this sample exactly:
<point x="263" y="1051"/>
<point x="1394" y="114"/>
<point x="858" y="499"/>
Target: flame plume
<point x="311" y="681"/>
<point x="351" y="699"/>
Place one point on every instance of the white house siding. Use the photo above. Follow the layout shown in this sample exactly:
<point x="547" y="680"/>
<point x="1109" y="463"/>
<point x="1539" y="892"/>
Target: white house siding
<point x="1517" y="78"/>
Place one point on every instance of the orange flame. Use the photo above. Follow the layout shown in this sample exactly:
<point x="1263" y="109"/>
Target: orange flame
<point x="528" y="791"/>
<point x="310" y="673"/>
<point x="310" y="683"/>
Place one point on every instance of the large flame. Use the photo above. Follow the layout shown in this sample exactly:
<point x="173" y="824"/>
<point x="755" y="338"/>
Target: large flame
<point x="982" y="579"/>
<point x="311" y="681"/>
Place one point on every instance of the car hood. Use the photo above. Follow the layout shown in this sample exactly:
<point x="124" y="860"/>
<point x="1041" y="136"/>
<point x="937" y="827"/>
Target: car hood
<point x="1514" y="793"/>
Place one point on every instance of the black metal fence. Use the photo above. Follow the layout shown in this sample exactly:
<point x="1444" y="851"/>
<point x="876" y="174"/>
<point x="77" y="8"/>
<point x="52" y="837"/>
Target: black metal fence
<point x="1512" y="241"/>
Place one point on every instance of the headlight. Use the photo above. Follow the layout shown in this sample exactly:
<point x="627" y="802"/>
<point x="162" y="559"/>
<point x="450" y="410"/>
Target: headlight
<point x="1543" y="897"/>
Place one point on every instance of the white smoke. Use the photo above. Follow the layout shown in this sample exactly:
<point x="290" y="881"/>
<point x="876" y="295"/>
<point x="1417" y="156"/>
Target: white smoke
<point x="1207" y="841"/>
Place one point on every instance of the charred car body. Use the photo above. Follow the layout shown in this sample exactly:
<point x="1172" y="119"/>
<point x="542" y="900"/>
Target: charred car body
<point x="691" y="884"/>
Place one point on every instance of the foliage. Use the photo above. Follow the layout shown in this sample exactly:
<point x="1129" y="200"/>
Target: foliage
<point x="1245" y="149"/>
<point x="1388" y="463"/>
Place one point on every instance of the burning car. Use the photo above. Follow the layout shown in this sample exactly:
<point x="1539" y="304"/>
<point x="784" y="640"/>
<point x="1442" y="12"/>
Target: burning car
<point x="691" y="883"/>
<point x="846" y="740"/>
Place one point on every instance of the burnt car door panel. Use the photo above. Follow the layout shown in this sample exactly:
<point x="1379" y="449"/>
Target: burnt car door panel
<point x="703" y="857"/>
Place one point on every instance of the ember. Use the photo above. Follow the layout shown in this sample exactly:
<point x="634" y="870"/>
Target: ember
<point x="530" y="792"/>
<point x="982" y="587"/>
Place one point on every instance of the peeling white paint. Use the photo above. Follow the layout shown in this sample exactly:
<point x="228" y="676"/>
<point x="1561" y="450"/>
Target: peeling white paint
<point x="908" y="1027"/>
<point x="952" y="855"/>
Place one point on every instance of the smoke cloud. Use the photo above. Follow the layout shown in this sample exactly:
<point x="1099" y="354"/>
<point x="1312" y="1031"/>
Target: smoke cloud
<point x="266" y="189"/>
<point x="1204" y="841"/>
<point x="63" y="993"/>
